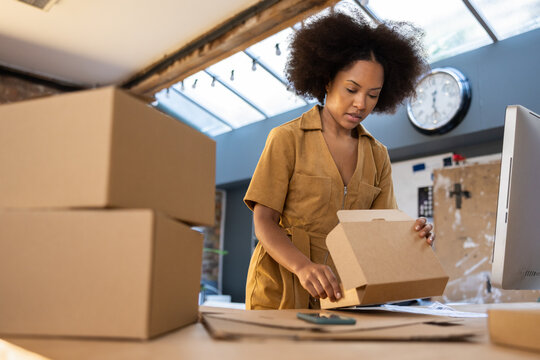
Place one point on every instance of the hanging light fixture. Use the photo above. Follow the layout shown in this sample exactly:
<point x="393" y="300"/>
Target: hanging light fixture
<point x="232" y="75"/>
<point x="213" y="81"/>
<point x="254" y="65"/>
<point x="194" y="83"/>
<point x="182" y="86"/>
<point x="278" y="50"/>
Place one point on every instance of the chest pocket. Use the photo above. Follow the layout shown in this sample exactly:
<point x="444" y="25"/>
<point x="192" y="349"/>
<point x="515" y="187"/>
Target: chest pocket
<point x="308" y="197"/>
<point x="364" y="195"/>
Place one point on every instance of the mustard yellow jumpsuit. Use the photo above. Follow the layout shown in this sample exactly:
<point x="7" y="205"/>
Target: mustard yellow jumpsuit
<point x="297" y="176"/>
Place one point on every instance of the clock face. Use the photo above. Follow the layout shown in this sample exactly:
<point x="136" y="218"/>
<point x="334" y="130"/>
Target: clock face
<point x="441" y="99"/>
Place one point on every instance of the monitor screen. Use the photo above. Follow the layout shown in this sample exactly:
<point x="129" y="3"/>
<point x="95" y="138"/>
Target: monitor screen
<point x="516" y="252"/>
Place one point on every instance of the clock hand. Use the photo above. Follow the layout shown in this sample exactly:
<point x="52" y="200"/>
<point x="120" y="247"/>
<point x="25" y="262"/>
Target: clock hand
<point x="434" y="100"/>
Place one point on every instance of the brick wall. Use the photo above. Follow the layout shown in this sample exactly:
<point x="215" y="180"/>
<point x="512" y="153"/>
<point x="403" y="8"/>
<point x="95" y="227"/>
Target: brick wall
<point x="17" y="87"/>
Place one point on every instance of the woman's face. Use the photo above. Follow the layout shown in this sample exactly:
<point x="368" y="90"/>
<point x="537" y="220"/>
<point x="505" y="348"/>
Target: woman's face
<point x="353" y="93"/>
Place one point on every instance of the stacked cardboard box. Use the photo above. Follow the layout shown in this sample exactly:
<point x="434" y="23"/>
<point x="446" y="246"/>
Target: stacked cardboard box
<point x="97" y="195"/>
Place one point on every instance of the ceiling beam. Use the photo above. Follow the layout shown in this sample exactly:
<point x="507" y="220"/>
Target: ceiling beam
<point x="474" y="11"/>
<point x="247" y="28"/>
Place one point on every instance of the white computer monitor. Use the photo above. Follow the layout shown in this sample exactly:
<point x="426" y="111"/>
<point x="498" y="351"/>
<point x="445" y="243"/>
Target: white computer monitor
<point x="516" y="252"/>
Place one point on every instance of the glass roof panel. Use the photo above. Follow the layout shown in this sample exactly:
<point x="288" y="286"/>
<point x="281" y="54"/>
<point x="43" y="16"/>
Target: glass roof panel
<point x="450" y="30"/>
<point x="265" y="51"/>
<point x="509" y="18"/>
<point x="258" y="87"/>
<point x="219" y="100"/>
<point x="450" y="27"/>
<point x="176" y="105"/>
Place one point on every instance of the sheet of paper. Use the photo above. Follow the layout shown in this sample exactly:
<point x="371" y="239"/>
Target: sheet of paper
<point x="436" y="308"/>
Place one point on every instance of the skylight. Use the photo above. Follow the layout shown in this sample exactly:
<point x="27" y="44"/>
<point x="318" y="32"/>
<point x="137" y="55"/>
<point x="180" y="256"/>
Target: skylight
<point x="509" y="19"/>
<point x="250" y="86"/>
<point x="449" y="26"/>
<point x="254" y="83"/>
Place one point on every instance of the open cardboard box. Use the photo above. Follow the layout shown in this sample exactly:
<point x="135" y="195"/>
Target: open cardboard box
<point x="380" y="258"/>
<point x="104" y="148"/>
<point x="97" y="273"/>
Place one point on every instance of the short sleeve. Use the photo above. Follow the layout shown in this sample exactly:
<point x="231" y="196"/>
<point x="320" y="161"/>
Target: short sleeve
<point x="386" y="198"/>
<point x="270" y="182"/>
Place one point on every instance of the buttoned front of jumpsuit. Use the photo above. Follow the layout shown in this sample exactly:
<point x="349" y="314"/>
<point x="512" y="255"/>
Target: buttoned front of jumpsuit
<point x="297" y="176"/>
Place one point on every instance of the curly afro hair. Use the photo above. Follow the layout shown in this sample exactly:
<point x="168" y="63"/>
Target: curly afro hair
<point x="333" y="42"/>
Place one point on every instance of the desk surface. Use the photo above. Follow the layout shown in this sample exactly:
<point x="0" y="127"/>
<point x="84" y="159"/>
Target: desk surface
<point x="193" y="342"/>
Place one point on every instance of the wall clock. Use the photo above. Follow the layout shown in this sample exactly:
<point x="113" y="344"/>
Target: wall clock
<point x="442" y="99"/>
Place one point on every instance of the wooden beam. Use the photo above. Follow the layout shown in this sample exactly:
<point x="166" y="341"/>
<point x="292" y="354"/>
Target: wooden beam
<point x="240" y="34"/>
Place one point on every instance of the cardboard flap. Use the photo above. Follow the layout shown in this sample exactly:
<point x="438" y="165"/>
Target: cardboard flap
<point x="344" y="259"/>
<point x="346" y="216"/>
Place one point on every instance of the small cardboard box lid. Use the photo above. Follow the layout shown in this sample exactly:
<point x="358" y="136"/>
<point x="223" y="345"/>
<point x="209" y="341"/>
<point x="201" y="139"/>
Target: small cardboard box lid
<point x="380" y="253"/>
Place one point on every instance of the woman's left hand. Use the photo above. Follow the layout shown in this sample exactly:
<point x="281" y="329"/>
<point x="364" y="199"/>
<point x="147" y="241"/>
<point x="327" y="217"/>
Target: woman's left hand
<point x="424" y="230"/>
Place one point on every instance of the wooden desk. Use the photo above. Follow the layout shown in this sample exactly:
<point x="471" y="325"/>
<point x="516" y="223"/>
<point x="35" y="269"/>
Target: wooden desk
<point x="193" y="342"/>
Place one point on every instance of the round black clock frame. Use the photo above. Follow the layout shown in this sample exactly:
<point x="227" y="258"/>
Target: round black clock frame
<point x="465" y="100"/>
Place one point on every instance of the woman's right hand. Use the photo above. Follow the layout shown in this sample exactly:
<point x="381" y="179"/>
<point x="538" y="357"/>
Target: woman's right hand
<point x="319" y="281"/>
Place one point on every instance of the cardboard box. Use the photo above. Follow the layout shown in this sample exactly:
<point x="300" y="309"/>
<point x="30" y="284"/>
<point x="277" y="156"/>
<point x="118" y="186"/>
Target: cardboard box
<point x="104" y="148"/>
<point x="97" y="273"/>
<point x="515" y="327"/>
<point x="380" y="258"/>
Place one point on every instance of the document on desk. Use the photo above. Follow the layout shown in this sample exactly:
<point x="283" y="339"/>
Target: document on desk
<point x="436" y="309"/>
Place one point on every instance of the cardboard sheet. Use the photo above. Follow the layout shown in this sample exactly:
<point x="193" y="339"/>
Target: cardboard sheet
<point x="368" y="327"/>
<point x="286" y="319"/>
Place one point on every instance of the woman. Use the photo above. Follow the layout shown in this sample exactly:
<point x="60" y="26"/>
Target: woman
<point x="325" y="160"/>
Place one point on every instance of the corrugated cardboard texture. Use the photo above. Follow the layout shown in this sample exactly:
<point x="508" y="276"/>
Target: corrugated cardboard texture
<point x="465" y="236"/>
<point x="517" y="327"/>
<point x="383" y="259"/>
<point x="226" y="329"/>
<point x="287" y="319"/>
<point x="97" y="273"/>
<point x="101" y="148"/>
<point x="284" y="323"/>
